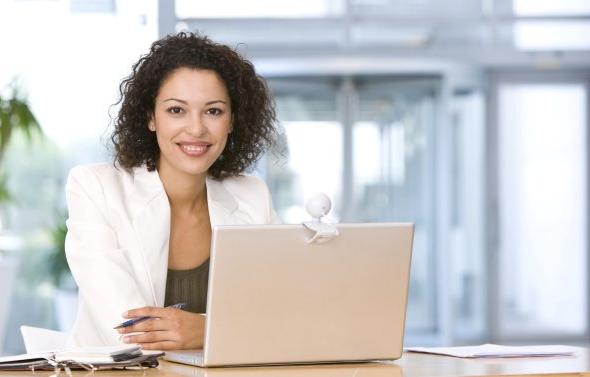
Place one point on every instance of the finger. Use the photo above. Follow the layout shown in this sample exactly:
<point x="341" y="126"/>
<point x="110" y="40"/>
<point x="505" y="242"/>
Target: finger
<point x="150" y="311"/>
<point x="154" y="324"/>
<point x="149" y="337"/>
<point x="164" y="345"/>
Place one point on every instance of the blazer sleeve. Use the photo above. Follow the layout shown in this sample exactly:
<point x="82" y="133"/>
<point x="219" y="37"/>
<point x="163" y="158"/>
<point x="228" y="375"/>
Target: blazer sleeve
<point x="107" y="284"/>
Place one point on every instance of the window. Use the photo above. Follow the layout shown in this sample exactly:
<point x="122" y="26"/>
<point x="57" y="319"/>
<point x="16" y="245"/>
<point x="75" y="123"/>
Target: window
<point x="258" y="8"/>
<point x="467" y="275"/>
<point x="543" y="210"/>
<point x="550" y="7"/>
<point x="554" y="35"/>
<point x="565" y="34"/>
<point x="393" y="167"/>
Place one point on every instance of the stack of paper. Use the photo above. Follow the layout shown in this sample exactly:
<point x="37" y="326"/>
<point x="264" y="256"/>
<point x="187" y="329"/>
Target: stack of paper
<point x="83" y="358"/>
<point x="494" y="350"/>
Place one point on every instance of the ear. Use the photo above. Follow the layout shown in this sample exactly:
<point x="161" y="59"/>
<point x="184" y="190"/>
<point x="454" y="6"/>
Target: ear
<point x="152" y="124"/>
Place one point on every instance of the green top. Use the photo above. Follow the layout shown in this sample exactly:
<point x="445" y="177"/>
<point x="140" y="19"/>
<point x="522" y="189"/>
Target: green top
<point x="188" y="286"/>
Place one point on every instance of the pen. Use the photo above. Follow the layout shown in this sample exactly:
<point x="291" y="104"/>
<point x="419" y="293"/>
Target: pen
<point x="130" y="322"/>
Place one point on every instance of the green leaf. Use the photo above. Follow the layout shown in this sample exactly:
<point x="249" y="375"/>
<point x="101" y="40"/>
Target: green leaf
<point x="4" y="194"/>
<point x="23" y="119"/>
<point x="15" y="115"/>
<point x="5" y="130"/>
<point x="57" y="262"/>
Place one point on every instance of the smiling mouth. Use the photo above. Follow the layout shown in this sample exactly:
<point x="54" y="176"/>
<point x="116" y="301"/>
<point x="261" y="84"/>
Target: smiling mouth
<point x="194" y="150"/>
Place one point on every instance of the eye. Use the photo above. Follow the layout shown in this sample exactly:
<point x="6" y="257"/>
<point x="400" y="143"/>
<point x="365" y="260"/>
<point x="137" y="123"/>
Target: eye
<point x="174" y="110"/>
<point x="214" y="111"/>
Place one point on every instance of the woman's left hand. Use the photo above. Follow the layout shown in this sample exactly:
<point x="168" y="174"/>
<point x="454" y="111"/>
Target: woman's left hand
<point x="169" y="329"/>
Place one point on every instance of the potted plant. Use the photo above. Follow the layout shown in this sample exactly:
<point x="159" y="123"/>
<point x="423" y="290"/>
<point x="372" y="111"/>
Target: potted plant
<point x="15" y="116"/>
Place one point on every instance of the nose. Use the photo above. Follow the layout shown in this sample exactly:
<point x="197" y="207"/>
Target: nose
<point x="195" y="125"/>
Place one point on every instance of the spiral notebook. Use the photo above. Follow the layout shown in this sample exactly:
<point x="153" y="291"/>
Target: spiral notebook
<point x="117" y="357"/>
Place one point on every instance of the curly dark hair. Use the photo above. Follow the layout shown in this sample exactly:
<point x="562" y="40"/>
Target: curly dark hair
<point x="253" y="111"/>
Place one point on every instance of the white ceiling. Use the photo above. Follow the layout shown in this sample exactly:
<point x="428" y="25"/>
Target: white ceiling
<point x="535" y="33"/>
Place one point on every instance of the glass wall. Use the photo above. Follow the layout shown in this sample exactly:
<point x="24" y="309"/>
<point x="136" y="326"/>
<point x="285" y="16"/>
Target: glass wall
<point x="467" y="221"/>
<point x="393" y="171"/>
<point x="543" y="152"/>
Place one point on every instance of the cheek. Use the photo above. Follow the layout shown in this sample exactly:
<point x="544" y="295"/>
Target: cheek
<point x="164" y="137"/>
<point x="223" y="130"/>
<point x="166" y="128"/>
<point x="220" y="144"/>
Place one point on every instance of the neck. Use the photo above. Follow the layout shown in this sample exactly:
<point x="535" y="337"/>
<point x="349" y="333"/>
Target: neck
<point x="186" y="193"/>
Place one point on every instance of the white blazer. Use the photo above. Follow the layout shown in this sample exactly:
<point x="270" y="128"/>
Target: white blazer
<point x="117" y="240"/>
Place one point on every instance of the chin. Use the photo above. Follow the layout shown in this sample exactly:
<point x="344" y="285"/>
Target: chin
<point x="197" y="167"/>
<point x="195" y="170"/>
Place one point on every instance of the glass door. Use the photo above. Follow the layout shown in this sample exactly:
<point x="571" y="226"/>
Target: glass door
<point x="393" y="175"/>
<point x="543" y="209"/>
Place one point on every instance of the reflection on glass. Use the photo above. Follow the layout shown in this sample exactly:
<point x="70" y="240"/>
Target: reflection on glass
<point x="543" y="209"/>
<point x="392" y="154"/>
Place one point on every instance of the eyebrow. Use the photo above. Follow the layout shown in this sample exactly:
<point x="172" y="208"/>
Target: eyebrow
<point x="186" y="103"/>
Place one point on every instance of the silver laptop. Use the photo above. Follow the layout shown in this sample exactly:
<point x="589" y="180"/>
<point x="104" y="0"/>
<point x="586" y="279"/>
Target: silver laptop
<point x="274" y="298"/>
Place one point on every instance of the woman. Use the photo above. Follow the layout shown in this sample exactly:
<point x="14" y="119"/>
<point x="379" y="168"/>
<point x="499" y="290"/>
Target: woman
<point x="194" y="116"/>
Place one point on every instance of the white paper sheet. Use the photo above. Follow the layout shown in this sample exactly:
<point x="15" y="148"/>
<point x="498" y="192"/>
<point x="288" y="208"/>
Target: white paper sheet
<point x="39" y="340"/>
<point x="86" y="355"/>
<point x="494" y="350"/>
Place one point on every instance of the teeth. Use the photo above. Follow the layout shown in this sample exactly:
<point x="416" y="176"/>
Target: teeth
<point x="194" y="148"/>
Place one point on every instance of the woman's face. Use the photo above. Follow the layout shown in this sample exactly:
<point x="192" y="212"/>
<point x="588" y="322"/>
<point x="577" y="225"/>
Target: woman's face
<point x="192" y="119"/>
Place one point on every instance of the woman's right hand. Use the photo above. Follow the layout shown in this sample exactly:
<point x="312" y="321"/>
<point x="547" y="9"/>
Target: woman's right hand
<point x="169" y="329"/>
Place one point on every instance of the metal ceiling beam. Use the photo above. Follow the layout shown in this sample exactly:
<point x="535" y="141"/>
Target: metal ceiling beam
<point x="398" y="20"/>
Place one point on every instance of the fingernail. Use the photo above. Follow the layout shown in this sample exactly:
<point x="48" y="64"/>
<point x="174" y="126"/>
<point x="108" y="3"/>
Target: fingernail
<point x="126" y="339"/>
<point x="125" y="314"/>
<point x="120" y="331"/>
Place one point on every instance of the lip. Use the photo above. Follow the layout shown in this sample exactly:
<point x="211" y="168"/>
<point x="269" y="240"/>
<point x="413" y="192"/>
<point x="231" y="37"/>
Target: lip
<point x="194" y="148"/>
<point x="194" y="143"/>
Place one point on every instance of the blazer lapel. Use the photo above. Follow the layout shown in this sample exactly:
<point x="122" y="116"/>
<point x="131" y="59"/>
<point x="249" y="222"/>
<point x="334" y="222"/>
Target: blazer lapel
<point x="223" y="206"/>
<point x="151" y="220"/>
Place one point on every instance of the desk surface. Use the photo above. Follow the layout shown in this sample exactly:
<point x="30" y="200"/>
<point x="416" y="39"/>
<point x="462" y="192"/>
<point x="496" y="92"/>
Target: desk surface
<point x="410" y="365"/>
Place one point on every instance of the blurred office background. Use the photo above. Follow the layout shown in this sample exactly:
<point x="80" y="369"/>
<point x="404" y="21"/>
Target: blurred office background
<point x="467" y="117"/>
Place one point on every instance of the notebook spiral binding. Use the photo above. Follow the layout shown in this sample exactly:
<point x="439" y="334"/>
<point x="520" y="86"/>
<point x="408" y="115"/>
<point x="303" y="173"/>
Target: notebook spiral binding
<point x="68" y="365"/>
